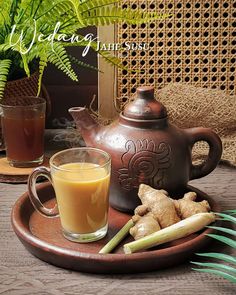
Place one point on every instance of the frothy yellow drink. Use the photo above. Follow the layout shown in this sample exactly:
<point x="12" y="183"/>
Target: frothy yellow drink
<point x="82" y="191"/>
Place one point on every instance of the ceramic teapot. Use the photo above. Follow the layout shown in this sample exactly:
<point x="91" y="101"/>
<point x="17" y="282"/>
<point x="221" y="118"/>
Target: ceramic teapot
<point x="146" y="148"/>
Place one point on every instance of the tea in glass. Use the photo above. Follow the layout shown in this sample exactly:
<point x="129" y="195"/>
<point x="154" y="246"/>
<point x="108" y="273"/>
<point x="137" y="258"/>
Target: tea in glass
<point x="23" y="127"/>
<point x="81" y="180"/>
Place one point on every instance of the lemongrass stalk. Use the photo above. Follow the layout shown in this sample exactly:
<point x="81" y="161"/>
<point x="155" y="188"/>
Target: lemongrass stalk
<point x="176" y="231"/>
<point x="117" y="238"/>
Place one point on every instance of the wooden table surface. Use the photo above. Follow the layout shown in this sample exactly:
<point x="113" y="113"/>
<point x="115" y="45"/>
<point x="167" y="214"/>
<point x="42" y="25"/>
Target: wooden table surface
<point x="21" y="273"/>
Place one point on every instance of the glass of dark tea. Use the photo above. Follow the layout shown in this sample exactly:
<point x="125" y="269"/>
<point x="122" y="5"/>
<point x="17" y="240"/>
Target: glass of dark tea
<point x="23" y="125"/>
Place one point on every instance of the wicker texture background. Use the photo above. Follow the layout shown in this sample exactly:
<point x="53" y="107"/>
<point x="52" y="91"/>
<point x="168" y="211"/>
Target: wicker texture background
<point x="195" y="45"/>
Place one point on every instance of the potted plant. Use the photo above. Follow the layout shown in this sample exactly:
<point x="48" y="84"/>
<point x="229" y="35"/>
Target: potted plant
<point x="34" y="33"/>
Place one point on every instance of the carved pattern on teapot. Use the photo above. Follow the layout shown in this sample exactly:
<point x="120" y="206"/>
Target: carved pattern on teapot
<point x="144" y="162"/>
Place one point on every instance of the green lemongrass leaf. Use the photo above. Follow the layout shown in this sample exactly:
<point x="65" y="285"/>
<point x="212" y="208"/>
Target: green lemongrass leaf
<point x="221" y="256"/>
<point x="120" y="235"/>
<point x="224" y="240"/>
<point x="227" y="217"/>
<point x="224" y="229"/>
<point x="220" y="266"/>
<point x="217" y="272"/>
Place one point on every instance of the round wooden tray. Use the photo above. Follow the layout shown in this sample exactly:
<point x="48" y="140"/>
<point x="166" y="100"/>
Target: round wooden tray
<point x="10" y="174"/>
<point x="43" y="238"/>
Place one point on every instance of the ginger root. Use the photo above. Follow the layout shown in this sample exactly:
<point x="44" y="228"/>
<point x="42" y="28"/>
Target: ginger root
<point x="187" y="206"/>
<point x="159" y="211"/>
<point x="161" y="206"/>
<point x="144" y="225"/>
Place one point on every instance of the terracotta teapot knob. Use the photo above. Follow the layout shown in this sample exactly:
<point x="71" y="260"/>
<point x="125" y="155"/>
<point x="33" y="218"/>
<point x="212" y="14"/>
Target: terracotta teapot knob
<point x="145" y="92"/>
<point x="145" y="106"/>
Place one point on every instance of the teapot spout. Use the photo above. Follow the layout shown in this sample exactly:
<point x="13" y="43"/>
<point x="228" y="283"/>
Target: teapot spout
<point x="85" y="123"/>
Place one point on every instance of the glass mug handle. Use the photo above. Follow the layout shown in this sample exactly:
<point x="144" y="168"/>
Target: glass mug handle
<point x="38" y="205"/>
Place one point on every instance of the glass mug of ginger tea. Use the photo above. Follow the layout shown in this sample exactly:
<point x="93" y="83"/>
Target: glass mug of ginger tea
<point x="81" y="180"/>
<point x="23" y="124"/>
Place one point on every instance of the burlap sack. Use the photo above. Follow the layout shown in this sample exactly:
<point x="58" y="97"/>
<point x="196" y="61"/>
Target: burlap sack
<point x="190" y="106"/>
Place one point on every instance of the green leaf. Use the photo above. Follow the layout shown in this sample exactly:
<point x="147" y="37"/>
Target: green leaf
<point x="19" y="46"/>
<point x="72" y="15"/>
<point x="221" y="256"/>
<point x="111" y="59"/>
<point x="107" y="15"/>
<point x="5" y="8"/>
<point x="223" y="267"/>
<point x="87" y="5"/>
<point x="53" y="10"/>
<point x="75" y="4"/>
<point x="82" y="64"/>
<point x="217" y="272"/>
<point x="4" y="69"/>
<point x="59" y="58"/>
<point x="5" y="46"/>
<point x="230" y="211"/>
<point x="224" y="229"/>
<point x="217" y="268"/>
<point x="43" y="59"/>
<point x="223" y="239"/>
<point x="227" y="217"/>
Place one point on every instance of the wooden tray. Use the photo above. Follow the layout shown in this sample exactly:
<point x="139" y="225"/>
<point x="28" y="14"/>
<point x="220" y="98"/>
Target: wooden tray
<point x="43" y="238"/>
<point x="10" y="174"/>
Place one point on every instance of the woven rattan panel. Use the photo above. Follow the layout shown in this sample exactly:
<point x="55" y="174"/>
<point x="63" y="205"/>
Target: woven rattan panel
<point x="196" y="45"/>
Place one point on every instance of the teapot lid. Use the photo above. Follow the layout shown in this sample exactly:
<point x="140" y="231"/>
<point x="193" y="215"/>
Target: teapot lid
<point x="145" y="106"/>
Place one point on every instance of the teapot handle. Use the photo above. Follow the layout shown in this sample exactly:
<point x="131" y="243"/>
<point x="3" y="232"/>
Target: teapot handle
<point x="205" y="134"/>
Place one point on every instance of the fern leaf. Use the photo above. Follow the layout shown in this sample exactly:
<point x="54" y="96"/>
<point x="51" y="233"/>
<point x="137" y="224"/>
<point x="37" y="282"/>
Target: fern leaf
<point x="75" y="4"/>
<point x="232" y="212"/>
<point x="224" y="229"/>
<point x="107" y="15"/>
<point x="227" y="217"/>
<point x="54" y="10"/>
<point x="217" y="268"/>
<point x="5" y="47"/>
<point x="4" y="69"/>
<point x="108" y="57"/>
<point x="25" y="65"/>
<point x="43" y="59"/>
<point x="18" y="45"/>
<point x="23" y="11"/>
<point x="86" y="6"/>
<point x="82" y="64"/>
<point x="224" y="240"/>
<point x="221" y="256"/>
<point x="5" y="12"/>
<point x="217" y="272"/>
<point x="58" y="56"/>
<point x="112" y="60"/>
<point x="223" y="267"/>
